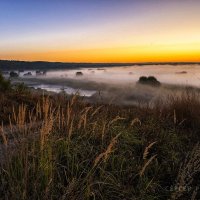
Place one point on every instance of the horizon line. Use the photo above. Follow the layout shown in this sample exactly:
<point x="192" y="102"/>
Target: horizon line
<point x="72" y="62"/>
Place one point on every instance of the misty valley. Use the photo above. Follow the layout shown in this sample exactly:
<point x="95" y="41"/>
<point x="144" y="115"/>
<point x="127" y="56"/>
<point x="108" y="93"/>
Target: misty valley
<point x="119" y="84"/>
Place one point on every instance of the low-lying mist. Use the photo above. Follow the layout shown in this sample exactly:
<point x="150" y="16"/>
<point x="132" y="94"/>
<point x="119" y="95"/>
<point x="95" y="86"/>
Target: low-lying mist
<point x="119" y="85"/>
<point x="116" y="93"/>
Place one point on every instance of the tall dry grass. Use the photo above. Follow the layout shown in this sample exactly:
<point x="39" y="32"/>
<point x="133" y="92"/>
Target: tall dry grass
<point x="71" y="149"/>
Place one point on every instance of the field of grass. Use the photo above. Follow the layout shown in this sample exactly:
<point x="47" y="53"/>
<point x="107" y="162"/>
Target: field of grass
<point x="60" y="147"/>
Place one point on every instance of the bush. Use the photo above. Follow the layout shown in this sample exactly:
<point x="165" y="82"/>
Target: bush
<point x="151" y="80"/>
<point x="143" y="79"/>
<point x="21" y="88"/>
<point x="79" y="74"/>
<point x="14" y="74"/>
<point x="5" y="85"/>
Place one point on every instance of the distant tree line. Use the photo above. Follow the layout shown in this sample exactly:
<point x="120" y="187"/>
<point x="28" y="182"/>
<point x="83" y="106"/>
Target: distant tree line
<point x="41" y="65"/>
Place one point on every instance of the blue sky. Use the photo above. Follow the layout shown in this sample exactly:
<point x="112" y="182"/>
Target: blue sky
<point x="42" y="26"/>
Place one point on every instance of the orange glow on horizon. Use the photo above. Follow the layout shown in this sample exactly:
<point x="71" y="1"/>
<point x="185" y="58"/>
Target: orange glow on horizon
<point x="165" y="53"/>
<point x="101" y="31"/>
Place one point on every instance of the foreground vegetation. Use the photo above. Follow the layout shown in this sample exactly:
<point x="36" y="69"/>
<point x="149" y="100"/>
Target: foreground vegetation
<point x="60" y="147"/>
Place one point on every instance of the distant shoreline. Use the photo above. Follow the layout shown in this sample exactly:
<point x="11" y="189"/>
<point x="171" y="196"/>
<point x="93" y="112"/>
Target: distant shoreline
<point x="46" y="65"/>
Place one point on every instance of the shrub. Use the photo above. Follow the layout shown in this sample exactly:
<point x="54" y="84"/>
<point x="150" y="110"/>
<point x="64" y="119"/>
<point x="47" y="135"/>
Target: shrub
<point x="5" y="85"/>
<point x="28" y="74"/>
<point x="143" y="79"/>
<point x="14" y="74"/>
<point x="151" y="80"/>
<point x="79" y="74"/>
<point x="21" y="88"/>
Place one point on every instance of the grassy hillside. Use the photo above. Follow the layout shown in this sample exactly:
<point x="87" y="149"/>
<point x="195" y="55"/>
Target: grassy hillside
<point x="59" y="147"/>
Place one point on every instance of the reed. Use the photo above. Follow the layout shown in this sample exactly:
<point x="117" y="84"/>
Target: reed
<point x="5" y="141"/>
<point x="104" y="156"/>
<point x="146" y="165"/>
<point x="146" y="151"/>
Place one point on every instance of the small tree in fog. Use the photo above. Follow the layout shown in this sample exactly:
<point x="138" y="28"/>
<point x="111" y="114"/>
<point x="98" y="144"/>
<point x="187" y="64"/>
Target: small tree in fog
<point x="5" y="85"/>
<point x="151" y="80"/>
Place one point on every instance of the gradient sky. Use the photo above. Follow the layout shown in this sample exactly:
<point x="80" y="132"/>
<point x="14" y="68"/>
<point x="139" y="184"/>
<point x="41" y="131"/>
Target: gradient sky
<point x="100" y="30"/>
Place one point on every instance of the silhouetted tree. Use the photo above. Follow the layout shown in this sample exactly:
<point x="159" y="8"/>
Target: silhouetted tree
<point x="79" y="74"/>
<point x="5" y="85"/>
<point x="13" y="74"/>
<point x="151" y="80"/>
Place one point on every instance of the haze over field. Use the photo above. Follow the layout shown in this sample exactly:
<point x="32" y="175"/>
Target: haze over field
<point x="116" y="84"/>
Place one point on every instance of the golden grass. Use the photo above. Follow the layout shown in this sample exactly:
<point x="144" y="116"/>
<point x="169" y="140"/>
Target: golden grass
<point x="104" y="156"/>
<point x="77" y="145"/>
<point x="5" y="141"/>
<point x="135" y="121"/>
<point x="146" y="151"/>
<point x="147" y="163"/>
<point x="187" y="174"/>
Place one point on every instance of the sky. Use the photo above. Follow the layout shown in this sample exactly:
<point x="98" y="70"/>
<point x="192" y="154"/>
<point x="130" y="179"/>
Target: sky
<point x="100" y="30"/>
